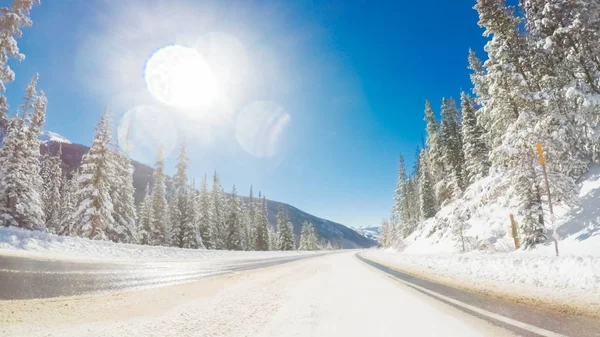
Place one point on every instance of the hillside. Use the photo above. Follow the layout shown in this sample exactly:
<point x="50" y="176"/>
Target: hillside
<point x="338" y="234"/>
<point x="484" y="212"/>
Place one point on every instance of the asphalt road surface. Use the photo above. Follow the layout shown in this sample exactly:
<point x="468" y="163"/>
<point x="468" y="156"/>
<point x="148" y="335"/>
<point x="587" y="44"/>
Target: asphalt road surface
<point x="330" y="295"/>
<point x="25" y="278"/>
<point x="519" y="318"/>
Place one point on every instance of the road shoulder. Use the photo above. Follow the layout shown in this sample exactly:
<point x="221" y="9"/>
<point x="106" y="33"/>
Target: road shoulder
<point x="532" y="311"/>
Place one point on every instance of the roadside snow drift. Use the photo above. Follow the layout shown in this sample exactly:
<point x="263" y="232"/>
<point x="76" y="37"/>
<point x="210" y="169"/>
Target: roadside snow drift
<point x="18" y="241"/>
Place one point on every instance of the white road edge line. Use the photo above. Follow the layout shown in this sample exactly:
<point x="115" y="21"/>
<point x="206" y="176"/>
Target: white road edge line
<point x="509" y="321"/>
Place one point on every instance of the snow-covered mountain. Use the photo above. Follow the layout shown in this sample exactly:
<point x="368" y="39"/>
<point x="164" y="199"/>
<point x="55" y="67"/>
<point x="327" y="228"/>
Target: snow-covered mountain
<point x="370" y="232"/>
<point x="49" y="136"/>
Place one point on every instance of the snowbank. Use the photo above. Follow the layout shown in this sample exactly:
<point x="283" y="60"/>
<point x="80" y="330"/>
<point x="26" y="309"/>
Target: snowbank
<point x="484" y="211"/>
<point x="17" y="241"/>
<point x="571" y="280"/>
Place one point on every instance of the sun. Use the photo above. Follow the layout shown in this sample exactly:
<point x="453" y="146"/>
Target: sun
<point x="179" y="76"/>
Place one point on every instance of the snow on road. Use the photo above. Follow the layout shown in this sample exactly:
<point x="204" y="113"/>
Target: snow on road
<point x="332" y="295"/>
<point x="571" y="281"/>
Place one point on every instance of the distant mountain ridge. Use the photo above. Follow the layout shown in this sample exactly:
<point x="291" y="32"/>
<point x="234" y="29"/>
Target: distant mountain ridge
<point x="338" y="234"/>
<point x="370" y="232"/>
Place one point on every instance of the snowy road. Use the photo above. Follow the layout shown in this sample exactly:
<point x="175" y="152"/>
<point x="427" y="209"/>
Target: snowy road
<point x="329" y="295"/>
<point x="27" y="278"/>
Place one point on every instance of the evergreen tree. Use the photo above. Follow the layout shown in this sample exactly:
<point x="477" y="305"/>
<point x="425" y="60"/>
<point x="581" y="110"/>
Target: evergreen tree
<point x="250" y="222"/>
<point x="308" y="240"/>
<point x="21" y="185"/>
<point x="433" y="142"/>
<point x="284" y="231"/>
<point x="193" y="212"/>
<point x="51" y="173"/>
<point x="400" y="211"/>
<point x="262" y="227"/>
<point x="146" y="219"/>
<point x="161" y="234"/>
<point x="67" y="205"/>
<point x="452" y="154"/>
<point x="93" y="216"/>
<point x="122" y="190"/>
<point x="217" y="217"/>
<point x="12" y="20"/>
<point x="530" y="209"/>
<point x="181" y="215"/>
<point x="233" y="223"/>
<point x="204" y="222"/>
<point x="475" y="150"/>
<point x="426" y="193"/>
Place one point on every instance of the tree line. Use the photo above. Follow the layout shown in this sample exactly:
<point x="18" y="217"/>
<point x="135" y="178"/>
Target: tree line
<point x="97" y="200"/>
<point x="540" y="83"/>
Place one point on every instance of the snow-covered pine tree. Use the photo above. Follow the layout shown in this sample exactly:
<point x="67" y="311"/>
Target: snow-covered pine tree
<point x="233" y="223"/>
<point x="384" y="233"/>
<point x="328" y="246"/>
<point x="122" y="190"/>
<point x="475" y="150"/>
<point x="12" y="20"/>
<point x="250" y="222"/>
<point x="51" y="173"/>
<point x="434" y="145"/>
<point x="452" y="154"/>
<point x="400" y="211"/>
<point x="160" y="209"/>
<point x="21" y="185"/>
<point x="312" y="238"/>
<point x="194" y="217"/>
<point x="284" y="232"/>
<point x="93" y="212"/>
<point x="308" y="239"/>
<point x="426" y="193"/>
<point x="181" y="217"/>
<point x="304" y="233"/>
<point x="273" y="239"/>
<point x="204" y="208"/>
<point x="217" y="217"/>
<point x="530" y="210"/>
<point x="146" y="219"/>
<point x="67" y="205"/>
<point x="262" y="226"/>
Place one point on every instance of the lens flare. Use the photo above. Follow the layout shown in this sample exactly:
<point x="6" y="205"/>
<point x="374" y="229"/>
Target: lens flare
<point x="260" y="128"/>
<point x="143" y="129"/>
<point x="178" y="76"/>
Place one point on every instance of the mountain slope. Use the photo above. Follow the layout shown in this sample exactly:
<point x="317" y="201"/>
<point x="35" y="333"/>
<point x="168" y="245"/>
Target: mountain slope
<point x="338" y="234"/>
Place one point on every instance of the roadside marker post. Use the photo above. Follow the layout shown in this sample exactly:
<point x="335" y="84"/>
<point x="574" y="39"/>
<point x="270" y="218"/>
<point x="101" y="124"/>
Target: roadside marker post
<point x="542" y="158"/>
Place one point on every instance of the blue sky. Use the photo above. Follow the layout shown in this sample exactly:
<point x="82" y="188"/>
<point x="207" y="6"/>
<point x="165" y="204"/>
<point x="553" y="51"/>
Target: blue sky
<point x="345" y="81"/>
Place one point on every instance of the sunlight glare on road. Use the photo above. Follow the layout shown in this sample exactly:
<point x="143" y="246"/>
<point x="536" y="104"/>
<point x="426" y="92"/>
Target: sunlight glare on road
<point x="179" y="76"/>
<point x="144" y="129"/>
<point x="260" y="128"/>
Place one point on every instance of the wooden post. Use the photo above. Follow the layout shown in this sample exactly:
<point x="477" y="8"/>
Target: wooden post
<point x="542" y="158"/>
<point x="513" y="226"/>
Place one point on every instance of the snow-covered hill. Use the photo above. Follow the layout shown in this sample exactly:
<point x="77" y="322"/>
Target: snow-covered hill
<point x="485" y="213"/>
<point x="49" y="136"/>
<point x="370" y="232"/>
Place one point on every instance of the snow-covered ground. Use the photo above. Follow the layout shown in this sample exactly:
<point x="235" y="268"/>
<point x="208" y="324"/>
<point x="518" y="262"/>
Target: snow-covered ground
<point x="16" y="241"/>
<point x="492" y="263"/>
<point x="485" y="212"/>
<point x="334" y="295"/>
<point x="567" y="280"/>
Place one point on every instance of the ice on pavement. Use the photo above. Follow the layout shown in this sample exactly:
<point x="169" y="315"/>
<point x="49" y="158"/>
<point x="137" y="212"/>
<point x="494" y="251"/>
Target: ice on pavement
<point x="17" y="241"/>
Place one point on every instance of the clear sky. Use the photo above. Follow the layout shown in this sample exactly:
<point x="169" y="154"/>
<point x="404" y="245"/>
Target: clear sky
<point x="315" y="100"/>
